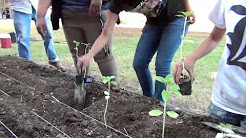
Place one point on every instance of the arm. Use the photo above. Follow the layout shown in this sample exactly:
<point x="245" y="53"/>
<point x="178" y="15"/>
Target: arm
<point x="42" y="9"/>
<point x="101" y="40"/>
<point x="187" y="5"/>
<point x="207" y="46"/>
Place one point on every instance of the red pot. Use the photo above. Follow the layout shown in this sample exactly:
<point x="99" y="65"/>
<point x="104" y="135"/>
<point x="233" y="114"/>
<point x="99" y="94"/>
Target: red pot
<point x="5" y="40"/>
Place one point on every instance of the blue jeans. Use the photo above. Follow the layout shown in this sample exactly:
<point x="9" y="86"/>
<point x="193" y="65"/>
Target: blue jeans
<point x="22" y="23"/>
<point x="225" y="116"/>
<point x="163" y="40"/>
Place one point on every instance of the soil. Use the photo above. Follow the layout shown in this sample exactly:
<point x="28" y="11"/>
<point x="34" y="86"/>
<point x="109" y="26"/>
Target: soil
<point x="37" y="101"/>
<point x="185" y="85"/>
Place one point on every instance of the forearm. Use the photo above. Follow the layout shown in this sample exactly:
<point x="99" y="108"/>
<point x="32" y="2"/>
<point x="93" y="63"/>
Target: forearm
<point x="99" y="44"/>
<point x="187" y="5"/>
<point x="43" y="6"/>
<point x="208" y="45"/>
<point x="105" y="35"/>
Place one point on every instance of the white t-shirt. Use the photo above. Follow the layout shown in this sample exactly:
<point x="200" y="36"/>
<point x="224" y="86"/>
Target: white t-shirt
<point x="24" y="6"/>
<point x="229" y="91"/>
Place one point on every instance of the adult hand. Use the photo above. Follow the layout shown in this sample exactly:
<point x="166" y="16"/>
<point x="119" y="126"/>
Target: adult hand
<point x="95" y="7"/>
<point x="188" y="64"/>
<point x="85" y="60"/>
<point x="192" y="18"/>
<point x="41" y="27"/>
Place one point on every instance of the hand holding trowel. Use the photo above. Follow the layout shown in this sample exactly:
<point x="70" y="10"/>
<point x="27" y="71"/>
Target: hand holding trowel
<point x="80" y="80"/>
<point x="80" y="91"/>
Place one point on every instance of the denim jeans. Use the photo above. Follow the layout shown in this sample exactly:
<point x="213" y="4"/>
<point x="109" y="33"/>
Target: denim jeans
<point x="22" y="23"/>
<point x="225" y="116"/>
<point x="163" y="40"/>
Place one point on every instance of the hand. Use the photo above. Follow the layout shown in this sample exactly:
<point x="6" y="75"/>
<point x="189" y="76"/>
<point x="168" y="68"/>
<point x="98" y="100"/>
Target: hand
<point x="41" y="27"/>
<point x="95" y="7"/>
<point x="188" y="65"/>
<point x="192" y="18"/>
<point x="85" y="60"/>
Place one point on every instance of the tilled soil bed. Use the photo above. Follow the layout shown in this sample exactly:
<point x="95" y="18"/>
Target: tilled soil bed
<point x="37" y="101"/>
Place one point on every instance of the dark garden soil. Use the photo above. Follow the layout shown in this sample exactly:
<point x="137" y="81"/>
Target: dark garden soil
<point x="36" y="101"/>
<point x="185" y="85"/>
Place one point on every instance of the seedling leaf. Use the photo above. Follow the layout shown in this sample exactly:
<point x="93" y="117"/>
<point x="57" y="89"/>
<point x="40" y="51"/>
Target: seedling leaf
<point x="180" y="16"/>
<point x="172" y="114"/>
<point x="111" y="77"/>
<point x="174" y="87"/>
<point x="169" y="79"/>
<point x="188" y="13"/>
<point x="76" y="43"/>
<point x="178" y="94"/>
<point x="160" y="79"/>
<point x="107" y="97"/>
<point x="113" y="82"/>
<point x="185" y="14"/>
<point x="106" y="93"/>
<point x="86" y="44"/>
<point x="227" y="126"/>
<point x="155" y="113"/>
<point x="165" y="95"/>
<point x="105" y="81"/>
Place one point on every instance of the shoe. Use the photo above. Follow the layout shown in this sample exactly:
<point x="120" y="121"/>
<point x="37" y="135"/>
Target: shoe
<point x="57" y="65"/>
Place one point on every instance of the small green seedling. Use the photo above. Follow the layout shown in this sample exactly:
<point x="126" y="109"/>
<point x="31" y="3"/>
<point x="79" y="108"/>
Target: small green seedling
<point x="171" y="88"/>
<point x="107" y="80"/>
<point x="185" y="85"/>
<point x="226" y="128"/>
<point x="87" y="48"/>
<point x="78" y="44"/>
<point x="184" y="15"/>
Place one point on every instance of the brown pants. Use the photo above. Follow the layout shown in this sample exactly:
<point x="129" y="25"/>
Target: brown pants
<point x="81" y="27"/>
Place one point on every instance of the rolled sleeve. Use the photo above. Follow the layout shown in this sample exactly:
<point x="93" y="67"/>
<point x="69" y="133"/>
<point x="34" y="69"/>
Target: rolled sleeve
<point x="217" y="15"/>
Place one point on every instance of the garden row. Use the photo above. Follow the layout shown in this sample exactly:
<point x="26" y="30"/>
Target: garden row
<point x="37" y="101"/>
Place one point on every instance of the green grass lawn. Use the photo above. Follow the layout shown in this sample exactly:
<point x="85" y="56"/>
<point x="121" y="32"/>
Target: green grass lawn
<point x="124" y="46"/>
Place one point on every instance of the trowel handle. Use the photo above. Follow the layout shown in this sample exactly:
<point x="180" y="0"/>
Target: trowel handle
<point x="82" y="73"/>
<point x="81" y="65"/>
<point x="81" y="69"/>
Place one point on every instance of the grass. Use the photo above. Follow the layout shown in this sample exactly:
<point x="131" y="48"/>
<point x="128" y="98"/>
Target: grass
<point x="124" y="45"/>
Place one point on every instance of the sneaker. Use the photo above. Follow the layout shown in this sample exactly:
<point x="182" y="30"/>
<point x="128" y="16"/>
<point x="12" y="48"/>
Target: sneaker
<point x="57" y="65"/>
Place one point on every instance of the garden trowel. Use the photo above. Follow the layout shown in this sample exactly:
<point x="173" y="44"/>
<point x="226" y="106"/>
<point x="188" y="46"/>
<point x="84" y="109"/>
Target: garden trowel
<point x="80" y="91"/>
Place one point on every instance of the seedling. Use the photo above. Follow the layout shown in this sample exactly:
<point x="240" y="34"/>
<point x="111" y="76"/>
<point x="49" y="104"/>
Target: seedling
<point x="107" y="80"/>
<point x="81" y="79"/>
<point x="226" y="128"/>
<point x="78" y="44"/>
<point x="185" y="81"/>
<point x="171" y="88"/>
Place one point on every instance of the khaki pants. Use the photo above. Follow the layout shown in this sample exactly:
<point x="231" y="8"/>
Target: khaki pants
<point x="83" y="28"/>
